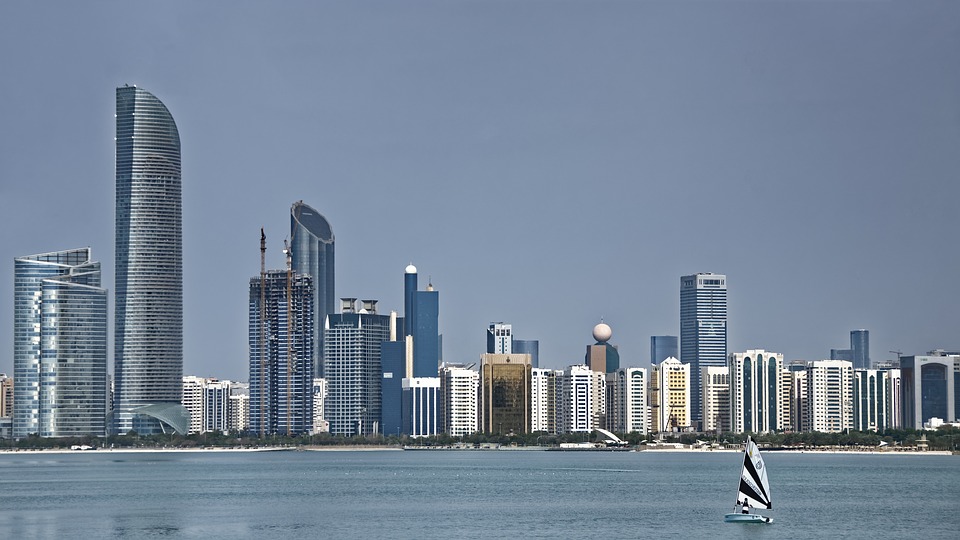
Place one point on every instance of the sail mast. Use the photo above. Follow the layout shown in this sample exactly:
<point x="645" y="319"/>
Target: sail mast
<point x="743" y="465"/>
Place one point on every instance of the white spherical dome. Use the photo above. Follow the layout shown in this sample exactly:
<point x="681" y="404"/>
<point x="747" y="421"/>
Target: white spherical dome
<point x="411" y="269"/>
<point x="602" y="332"/>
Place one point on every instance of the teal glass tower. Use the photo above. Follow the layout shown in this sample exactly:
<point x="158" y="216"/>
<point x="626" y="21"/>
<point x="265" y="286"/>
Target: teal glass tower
<point x="60" y="345"/>
<point x="148" y="334"/>
<point x="311" y="254"/>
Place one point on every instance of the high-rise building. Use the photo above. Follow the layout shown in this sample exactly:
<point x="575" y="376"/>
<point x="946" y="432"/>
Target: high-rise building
<point x="393" y="365"/>
<point x="352" y="342"/>
<point x="505" y="385"/>
<point x="601" y="356"/>
<point x="528" y="346"/>
<point x="673" y="389"/>
<point x="458" y="400"/>
<point x="895" y="402"/>
<point x="239" y="408"/>
<point x="499" y="338"/>
<point x="756" y="391"/>
<point x="929" y="384"/>
<point x="578" y="400"/>
<point x="703" y="328"/>
<point x="795" y="395"/>
<point x="871" y="400"/>
<point x="715" y="398"/>
<point x="60" y="345"/>
<point x="858" y="353"/>
<point x="208" y="401"/>
<point x="320" y="424"/>
<point x="829" y="396"/>
<point x="216" y="406"/>
<point x="148" y="330"/>
<point x="421" y="322"/>
<point x="312" y="254"/>
<point x="841" y="354"/>
<point x="663" y="347"/>
<point x="860" y="347"/>
<point x="280" y="341"/>
<point x="626" y="410"/>
<point x="545" y="393"/>
<point x="421" y="403"/>
<point x="193" y="401"/>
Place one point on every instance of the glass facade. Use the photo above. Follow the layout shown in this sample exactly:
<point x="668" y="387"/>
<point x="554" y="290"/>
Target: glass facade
<point x="663" y="347"/>
<point x="312" y="254"/>
<point x="528" y="346"/>
<point x="60" y="345"/>
<point x="703" y="328"/>
<point x="505" y="381"/>
<point x="860" y="348"/>
<point x="421" y="320"/>
<point x="352" y="356"/>
<point x="148" y="340"/>
<point x="933" y="388"/>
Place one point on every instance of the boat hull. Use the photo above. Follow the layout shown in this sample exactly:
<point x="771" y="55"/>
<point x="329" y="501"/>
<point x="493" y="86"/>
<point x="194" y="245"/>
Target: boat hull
<point x="746" y="518"/>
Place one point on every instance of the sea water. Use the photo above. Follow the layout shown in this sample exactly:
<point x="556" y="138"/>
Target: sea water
<point x="469" y="494"/>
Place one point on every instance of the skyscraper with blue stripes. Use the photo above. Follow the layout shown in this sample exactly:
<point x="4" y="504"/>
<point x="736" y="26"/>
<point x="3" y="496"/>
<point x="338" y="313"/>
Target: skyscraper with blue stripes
<point x="703" y="329"/>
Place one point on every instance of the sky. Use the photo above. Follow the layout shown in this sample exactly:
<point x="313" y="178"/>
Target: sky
<point x="545" y="164"/>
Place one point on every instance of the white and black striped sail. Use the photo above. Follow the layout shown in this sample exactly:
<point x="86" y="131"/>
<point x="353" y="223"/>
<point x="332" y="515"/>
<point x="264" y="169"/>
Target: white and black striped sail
<point x="753" y="479"/>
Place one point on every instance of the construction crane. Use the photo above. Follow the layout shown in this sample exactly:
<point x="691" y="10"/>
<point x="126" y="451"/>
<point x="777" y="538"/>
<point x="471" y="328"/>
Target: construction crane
<point x="899" y="354"/>
<point x="291" y="354"/>
<point x="263" y="332"/>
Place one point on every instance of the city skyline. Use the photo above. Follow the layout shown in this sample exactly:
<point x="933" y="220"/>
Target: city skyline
<point x="804" y="151"/>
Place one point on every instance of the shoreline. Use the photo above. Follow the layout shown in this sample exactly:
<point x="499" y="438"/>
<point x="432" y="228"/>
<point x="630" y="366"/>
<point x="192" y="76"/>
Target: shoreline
<point x="370" y="448"/>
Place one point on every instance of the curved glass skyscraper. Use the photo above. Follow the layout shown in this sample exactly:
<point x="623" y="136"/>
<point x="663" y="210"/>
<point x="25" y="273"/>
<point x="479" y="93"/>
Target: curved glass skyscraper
<point x="148" y="348"/>
<point x="60" y="345"/>
<point x="311" y="251"/>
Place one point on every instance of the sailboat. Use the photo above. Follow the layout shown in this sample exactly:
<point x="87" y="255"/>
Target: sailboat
<point x="753" y="489"/>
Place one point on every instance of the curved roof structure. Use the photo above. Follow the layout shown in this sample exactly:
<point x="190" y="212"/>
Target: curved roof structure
<point x="170" y="415"/>
<point x="610" y="437"/>
<point x="311" y="220"/>
<point x="148" y="329"/>
<point x="312" y="253"/>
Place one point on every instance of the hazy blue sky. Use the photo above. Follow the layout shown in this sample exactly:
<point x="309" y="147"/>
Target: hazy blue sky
<point x="547" y="163"/>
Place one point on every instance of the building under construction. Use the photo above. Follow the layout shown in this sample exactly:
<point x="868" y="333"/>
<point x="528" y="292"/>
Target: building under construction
<point x="281" y="340"/>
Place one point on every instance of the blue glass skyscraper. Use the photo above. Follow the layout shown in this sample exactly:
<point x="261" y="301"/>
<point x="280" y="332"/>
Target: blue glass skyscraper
<point x="421" y="320"/>
<point x="663" y="347"/>
<point x="860" y="347"/>
<point x="60" y="345"/>
<point x="148" y="346"/>
<point x="312" y="254"/>
<point x="703" y="329"/>
<point x="528" y="346"/>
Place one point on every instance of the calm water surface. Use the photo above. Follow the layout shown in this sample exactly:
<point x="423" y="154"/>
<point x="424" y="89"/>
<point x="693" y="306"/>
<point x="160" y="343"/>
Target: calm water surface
<point x="469" y="494"/>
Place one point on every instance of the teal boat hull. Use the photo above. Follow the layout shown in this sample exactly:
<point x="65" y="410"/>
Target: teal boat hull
<point x="746" y="518"/>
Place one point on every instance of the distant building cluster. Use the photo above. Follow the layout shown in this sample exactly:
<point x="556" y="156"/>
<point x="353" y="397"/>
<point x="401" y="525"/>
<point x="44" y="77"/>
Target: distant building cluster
<point x="351" y="369"/>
